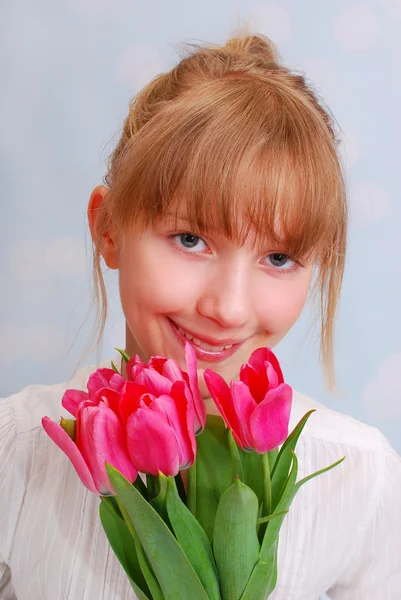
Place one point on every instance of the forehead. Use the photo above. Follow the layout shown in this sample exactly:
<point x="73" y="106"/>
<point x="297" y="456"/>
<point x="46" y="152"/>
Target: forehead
<point x="244" y="210"/>
<point x="270" y="195"/>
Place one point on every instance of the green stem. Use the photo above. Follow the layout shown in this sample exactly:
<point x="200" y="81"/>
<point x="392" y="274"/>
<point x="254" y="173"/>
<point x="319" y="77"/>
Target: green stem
<point x="267" y="487"/>
<point x="147" y="572"/>
<point x="191" y="489"/>
<point x="273" y="454"/>
<point x="126" y="517"/>
<point x="267" y="494"/>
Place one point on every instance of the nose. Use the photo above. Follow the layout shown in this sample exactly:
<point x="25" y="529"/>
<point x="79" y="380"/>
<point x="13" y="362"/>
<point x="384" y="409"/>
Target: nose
<point x="226" y="297"/>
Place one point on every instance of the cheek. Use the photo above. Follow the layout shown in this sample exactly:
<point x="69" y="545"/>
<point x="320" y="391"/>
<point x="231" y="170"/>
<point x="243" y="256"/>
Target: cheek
<point x="155" y="282"/>
<point x="283" y="303"/>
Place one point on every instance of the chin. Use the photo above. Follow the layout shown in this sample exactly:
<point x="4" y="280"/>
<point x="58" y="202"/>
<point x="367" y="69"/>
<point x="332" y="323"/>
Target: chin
<point x="203" y="387"/>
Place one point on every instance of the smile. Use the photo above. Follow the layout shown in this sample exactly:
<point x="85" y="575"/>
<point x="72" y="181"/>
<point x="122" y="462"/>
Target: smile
<point x="204" y="348"/>
<point x="203" y="345"/>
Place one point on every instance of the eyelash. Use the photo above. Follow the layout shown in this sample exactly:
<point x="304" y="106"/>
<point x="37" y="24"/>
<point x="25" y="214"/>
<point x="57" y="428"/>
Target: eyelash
<point x="284" y="272"/>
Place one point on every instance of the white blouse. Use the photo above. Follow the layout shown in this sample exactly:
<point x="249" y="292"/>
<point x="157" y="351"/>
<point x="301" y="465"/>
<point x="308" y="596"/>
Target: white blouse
<point x="342" y="535"/>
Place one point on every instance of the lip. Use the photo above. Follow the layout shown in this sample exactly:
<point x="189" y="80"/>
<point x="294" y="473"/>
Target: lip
<point x="204" y="354"/>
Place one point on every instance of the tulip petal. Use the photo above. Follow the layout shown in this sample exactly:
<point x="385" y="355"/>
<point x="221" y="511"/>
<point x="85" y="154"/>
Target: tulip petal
<point x="273" y="378"/>
<point x="220" y="392"/>
<point x="244" y="406"/>
<point x="133" y="367"/>
<point x="129" y="399"/>
<point x="157" y="363"/>
<point x="272" y="359"/>
<point x="172" y="371"/>
<point x="72" y="399"/>
<point x="269" y="422"/>
<point x="99" y="379"/>
<point x="102" y="440"/>
<point x="182" y="388"/>
<point x="117" y="382"/>
<point x="179" y="412"/>
<point x="151" y="442"/>
<point x="154" y="382"/>
<point x="260" y="357"/>
<point x="199" y="405"/>
<point x="109" y="444"/>
<point x="65" y="443"/>
<point x="255" y="381"/>
<point x="109" y="396"/>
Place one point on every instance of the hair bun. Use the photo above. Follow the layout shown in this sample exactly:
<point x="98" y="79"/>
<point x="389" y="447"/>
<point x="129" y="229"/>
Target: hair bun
<point x="257" y="45"/>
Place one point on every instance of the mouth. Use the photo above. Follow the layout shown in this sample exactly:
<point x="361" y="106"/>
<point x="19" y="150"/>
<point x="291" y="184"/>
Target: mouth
<point x="204" y="349"/>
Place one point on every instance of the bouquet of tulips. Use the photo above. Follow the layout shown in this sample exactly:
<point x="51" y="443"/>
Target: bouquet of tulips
<point x="214" y="535"/>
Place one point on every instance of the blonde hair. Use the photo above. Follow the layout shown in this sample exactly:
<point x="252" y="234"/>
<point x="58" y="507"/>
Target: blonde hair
<point x="231" y="134"/>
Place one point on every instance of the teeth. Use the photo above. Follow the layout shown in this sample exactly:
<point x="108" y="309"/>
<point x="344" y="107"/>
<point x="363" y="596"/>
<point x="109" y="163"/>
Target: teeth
<point x="203" y="345"/>
<point x="187" y="335"/>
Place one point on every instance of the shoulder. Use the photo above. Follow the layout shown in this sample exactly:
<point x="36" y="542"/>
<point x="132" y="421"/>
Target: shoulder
<point x="370" y="460"/>
<point x="333" y="427"/>
<point x="333" y="433"/>
<point x="28" y="406"/>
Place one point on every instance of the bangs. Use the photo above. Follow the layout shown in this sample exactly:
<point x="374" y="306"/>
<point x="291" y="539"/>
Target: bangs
<point x="239" y="159"/>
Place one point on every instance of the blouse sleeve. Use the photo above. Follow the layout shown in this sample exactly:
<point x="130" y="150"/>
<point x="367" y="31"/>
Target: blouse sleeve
<point x="375" y="572"/>
<point x="7" y="472"/>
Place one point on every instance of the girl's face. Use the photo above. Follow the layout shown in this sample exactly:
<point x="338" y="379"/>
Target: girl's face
<point x="225" y="299"/>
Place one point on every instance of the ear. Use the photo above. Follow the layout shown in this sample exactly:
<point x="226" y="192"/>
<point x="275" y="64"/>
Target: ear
<point x="108" y="243"/>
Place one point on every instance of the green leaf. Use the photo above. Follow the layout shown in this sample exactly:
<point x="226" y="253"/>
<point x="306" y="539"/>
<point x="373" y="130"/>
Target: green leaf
<point x="235" y="542"/>
<point x="123" y="354"/>
<point x="252" y="471"/>
<point x="211" y="473"/>
<point x="159" y="502"/>
<point x="193" y="540"/>
<point x="235" y="458"/>
<point x="147" y="571"/>
<point x="174" y="573"/>
<point x="113" y="366"/>
<point x="123" y="546"/>
<point x="192" y="486"/>
<point x="264" y="576"/>
<point x="305" y="479"/>
<point x="283" y="462"/>
<point x="270" y="517"/>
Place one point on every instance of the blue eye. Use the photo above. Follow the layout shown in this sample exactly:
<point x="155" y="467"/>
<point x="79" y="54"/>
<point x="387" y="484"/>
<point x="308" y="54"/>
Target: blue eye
<point x="190" y="242"/>
<point x="280" y="261"/>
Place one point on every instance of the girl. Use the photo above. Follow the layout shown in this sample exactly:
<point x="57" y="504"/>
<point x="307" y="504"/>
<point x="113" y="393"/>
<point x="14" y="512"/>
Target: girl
<point x="224" y="206"/>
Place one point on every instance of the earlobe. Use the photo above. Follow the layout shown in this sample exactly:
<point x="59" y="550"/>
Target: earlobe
<point x="95" y="212"/>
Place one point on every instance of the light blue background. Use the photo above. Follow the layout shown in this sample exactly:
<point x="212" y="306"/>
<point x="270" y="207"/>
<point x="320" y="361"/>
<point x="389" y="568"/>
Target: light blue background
<point x="68" y="71"/>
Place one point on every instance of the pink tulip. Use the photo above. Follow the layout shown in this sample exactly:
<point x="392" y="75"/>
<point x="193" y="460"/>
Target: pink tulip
<point x="160" y="429"/>
<point x="102" y="378"/>
<point x="99" y="438"/>
<point x="257" y="407"/>
<point x="159" y="375"/>
<point x="146" y="424"/>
